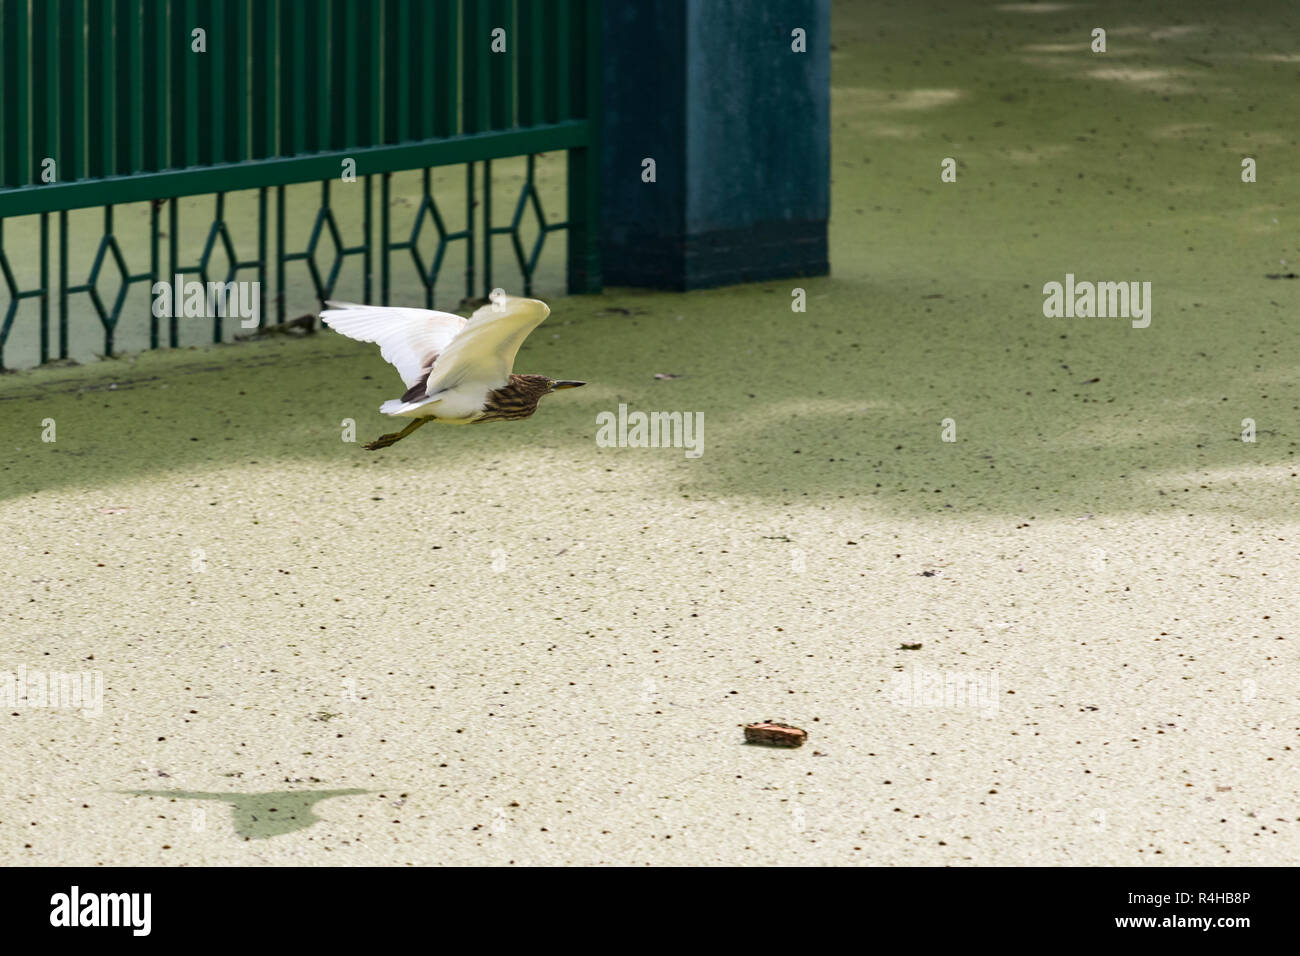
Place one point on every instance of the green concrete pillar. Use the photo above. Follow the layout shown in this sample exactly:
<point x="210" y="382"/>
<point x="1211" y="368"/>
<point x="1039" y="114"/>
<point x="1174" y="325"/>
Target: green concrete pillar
<point x="732" y="104"/>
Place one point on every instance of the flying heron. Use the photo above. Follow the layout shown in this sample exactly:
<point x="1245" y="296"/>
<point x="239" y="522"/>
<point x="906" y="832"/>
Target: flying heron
<point x="457" y="371"/>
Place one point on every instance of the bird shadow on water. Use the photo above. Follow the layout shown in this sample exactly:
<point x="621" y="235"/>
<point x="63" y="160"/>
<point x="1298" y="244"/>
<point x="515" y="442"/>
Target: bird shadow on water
<point x="260" y="816"/>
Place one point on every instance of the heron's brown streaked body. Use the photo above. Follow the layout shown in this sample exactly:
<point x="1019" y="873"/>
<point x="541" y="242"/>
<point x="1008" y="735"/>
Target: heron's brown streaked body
<point x="458" y="371"/>
<point x="518" y="399"/>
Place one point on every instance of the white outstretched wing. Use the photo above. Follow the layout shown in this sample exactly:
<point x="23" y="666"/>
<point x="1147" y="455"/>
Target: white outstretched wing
<point x="411" y="340"/>
<point x="483" y="353"/>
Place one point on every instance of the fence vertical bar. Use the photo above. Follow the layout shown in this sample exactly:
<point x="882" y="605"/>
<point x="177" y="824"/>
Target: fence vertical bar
<point x="347" y="74"/>
<point x="279" y="255"/>
<point x="206" y="65"/>
<point x="476" y="87"/>
<point x="178" y="58"/>
<point x="320" y="226"/>
<point x="189" y="119"/>
<point x="173" y="249"/>
<point x="526" y="265"/>
<point x="384" y="250"/>
<point x="17" y="89"/>
<point x="397" y="60"/>
<point x="425" y="279"/>
<point x="469" y="230"/>
<point x="262" y="84"/>
<point x="108" y="321"/>
<point x="152" y="83"/>
<point x="501" y="66"/>
<point x="54" y="83"/>
<point x="45" y="287"/>
<point x="153" y="269"/>
<point x="412" y="56"/>
<point x="135" y="22"/>
<point x="367" y="256"/>
<point x="129" y="93"/>
<point x="45" y="88"/>
<point x="532" y="47"/>
<point x="217" y="323"/>
<point x="72" y="113"/>
<point x="319" y="56"/>
<point x="584" y="163"/>
<point x="98" y="61"/>
<point x="219" y="43"/>
<point x="426" y="97"/>
<point x="241" y="27"/>
<point x="7" y="321"/>
<point x="563" y="26"/>
<point x="261" y="257"/>
<point x="170" y="35"/>
<point x="109" y="121"/>
<point x="6" y="38"/>
<point x="447" y="86"/>
<point x="63" y="284"/>
<point x="275" y="120"/>
<point x="293" y="105"/>
<point x="487" y="227"/>
<point x="310" y="34"/>
<point x="376" y="13"/>
<point x="11" y="310"/>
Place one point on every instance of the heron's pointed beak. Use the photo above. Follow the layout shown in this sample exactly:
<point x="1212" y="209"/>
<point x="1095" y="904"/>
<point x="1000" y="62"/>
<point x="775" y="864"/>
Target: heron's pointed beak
<point x="559" y="385"/>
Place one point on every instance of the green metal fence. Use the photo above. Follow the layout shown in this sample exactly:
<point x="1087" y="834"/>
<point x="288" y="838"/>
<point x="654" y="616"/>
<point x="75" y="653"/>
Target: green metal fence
<point x="118" y="95"/>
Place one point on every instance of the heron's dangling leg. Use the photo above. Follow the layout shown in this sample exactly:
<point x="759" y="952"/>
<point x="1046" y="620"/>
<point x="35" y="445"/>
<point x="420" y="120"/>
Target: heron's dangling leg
<point x="383" y="441"/>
